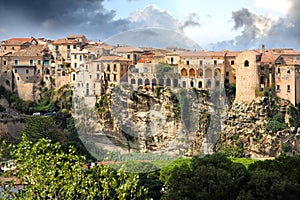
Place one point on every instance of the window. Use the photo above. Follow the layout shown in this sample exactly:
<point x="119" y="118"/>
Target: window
<point x="201" y="62"/>
<point x="74" y="46"/>
<point x="38" y="71"/>
<point x="27" y="71"/>
<point x="4" y="62"/>
<point x="74" y="77"/>
<point x="232" y="62"/>
<point x="18" y="78"/>
<point x="56" y="47"/>
<point x="246" y="63"/>
<point x="187" y="62"/>
<point x="128" y="56"/>
<point x="80" y="57"/>
<point x="262" y="69"/>
<point x="16" y="71"/>
<point x="108" y="67"/>
<point x="39" y="62"/>
<point x="13" y="48"/>
<point x="277" y="88"/>
<point x="215" y="62"/>
<point x="108" y="77"/>
<point x="288" y="88"/>
<point x="16" y="62"/>
<point x="86" y="67"/>
<point x="98" y="76"/>
<point x="98" y="67"/>
<point x="262" y="80"/>
<point x="115" y="77"/>
<point x="68" y="47"/>
<point x="288" y="71"/>
<point x="227" y="73"/>
<point x="115" y="67"/>
<point x="75" y="65"/>
<point x="75" y="56"/>
<point x="31" y="62"/>
<point x="270" y="70"/>
<point x="278" y="70"/>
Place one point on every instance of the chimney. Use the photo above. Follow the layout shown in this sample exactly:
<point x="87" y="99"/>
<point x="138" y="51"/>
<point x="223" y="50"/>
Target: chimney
<point x="263" y="49"/>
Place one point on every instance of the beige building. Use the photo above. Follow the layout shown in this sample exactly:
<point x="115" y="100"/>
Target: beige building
<point x="271" y="72"/>
<point x="16" y="44"/>
<point x="203" y="70"/>
<point x="62" y="50"/>
<point x="28" y="68"/>
<point x="132" y="54"/>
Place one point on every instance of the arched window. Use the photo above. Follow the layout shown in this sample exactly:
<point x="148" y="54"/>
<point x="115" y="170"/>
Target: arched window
<point x="140" y="81"/>
<point x="168" y="82"/>
<point x="147" y="82"/>
<point x="200" y="84"/>
<point x="246" y="63"/>
<point x="153" y="82"/>
<point x="132" y="81"/>
<point x="183" y="84"/>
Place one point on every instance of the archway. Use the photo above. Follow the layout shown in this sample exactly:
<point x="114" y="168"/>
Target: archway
<point x="184" y="84"/>
<point x="153" y="82"/>
<point x="200" y="84"/>
<point x="132" y="81"/>
<point x="183" y="72"/>
<point x="175" y="83"/>
<point x="140" y="81"/>
<point x="168" y="82"/>
<point x="147" y="82"/>
<point x="192" y="73"/>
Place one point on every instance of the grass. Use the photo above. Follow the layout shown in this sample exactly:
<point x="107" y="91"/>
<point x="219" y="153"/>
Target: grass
<point x="245" y="161"/>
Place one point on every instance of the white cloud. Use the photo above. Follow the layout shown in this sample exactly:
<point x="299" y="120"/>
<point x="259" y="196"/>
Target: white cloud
<point x="279" y="6"/>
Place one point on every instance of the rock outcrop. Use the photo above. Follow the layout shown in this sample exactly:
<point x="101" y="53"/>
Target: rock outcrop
<point x="246" y="128"/>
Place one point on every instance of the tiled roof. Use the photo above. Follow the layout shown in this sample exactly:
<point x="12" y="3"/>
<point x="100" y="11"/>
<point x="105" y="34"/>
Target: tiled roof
<point x="112" y="58"/>
<point x="217" y="54"/>
<point x="64" y="41"/>
<point x="127" y="49"/>
<point x="17" y="41"/>
<point x="291" y="61"/>
<point x="232" y="53"/>
<point x="195" y="54"/>
<point x="30" y="51"/>
<point x="269" y="57"/>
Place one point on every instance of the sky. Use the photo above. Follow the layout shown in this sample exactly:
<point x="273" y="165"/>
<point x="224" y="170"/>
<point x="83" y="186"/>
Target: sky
<point x="194" y="24"/>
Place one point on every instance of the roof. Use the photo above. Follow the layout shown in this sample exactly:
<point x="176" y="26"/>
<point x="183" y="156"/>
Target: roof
<point x="269" y="57"/>
<point x="112" y="58"/>
<point x="291" y="61"/>
<point x="127" y="49"/>
<point x="217" y="54"/>
<point x="18" y="41"/>
<point x="31" y="51"/>
<point x="232" y="53"/>
<point x="195" y="54"/>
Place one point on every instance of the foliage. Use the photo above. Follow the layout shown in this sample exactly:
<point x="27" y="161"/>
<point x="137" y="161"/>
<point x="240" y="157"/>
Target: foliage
<point x="230" y="90"/>
<point x="102" y="105"/>
<point x="50" y="173"/>
<point x="233" y="151"/>
<point x="245" y="161"/>
<point x="211" y="177"/>
<point x="165" y="172"/>
<point x="276" y="124"/>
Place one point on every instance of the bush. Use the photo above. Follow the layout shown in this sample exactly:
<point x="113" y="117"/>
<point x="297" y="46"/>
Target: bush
<point x="276" y="124"/>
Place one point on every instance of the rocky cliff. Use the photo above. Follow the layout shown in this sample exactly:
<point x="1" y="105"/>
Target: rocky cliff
<point x="160" y="120"/>
<point x="263" y="128"/>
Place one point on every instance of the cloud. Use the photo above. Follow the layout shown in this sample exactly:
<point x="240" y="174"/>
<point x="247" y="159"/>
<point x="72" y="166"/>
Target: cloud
<point x="260" y="29"/>
<point x="57" y="18"/>
<point x="192" y="20"/>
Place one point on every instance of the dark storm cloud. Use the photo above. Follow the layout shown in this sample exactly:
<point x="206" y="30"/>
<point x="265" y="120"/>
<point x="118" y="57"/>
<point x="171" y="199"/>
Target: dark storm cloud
<point x="58" y="17"/>
<point x="259" y="29"/>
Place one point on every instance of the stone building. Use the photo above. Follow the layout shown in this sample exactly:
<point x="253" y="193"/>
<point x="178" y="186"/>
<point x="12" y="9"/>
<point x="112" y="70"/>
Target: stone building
<point x="62" y="50"/>
<point x="130" y="53"/>
<point x="16" y="44"/>
<point x="230" y="66"/>
<point x="114" y="68"/>
<point x="271" y="72"/>
<point x="27" y="66"/>
<point x="203" y="70"/>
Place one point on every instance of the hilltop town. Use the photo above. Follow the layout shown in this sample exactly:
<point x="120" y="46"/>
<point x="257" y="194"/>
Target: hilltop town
<point x="88" y="65"/>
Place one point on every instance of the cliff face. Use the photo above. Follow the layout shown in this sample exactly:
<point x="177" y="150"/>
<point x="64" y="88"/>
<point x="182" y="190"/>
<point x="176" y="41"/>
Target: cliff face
<point x="189" y="122"/>
<point x="253" y="129"/>
<point x="152" y="120"/>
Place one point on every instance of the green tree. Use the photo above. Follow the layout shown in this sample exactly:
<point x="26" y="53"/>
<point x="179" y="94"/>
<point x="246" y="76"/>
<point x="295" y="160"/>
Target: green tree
<point x="211" y="177"/>
<point x="50" y="173"/>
